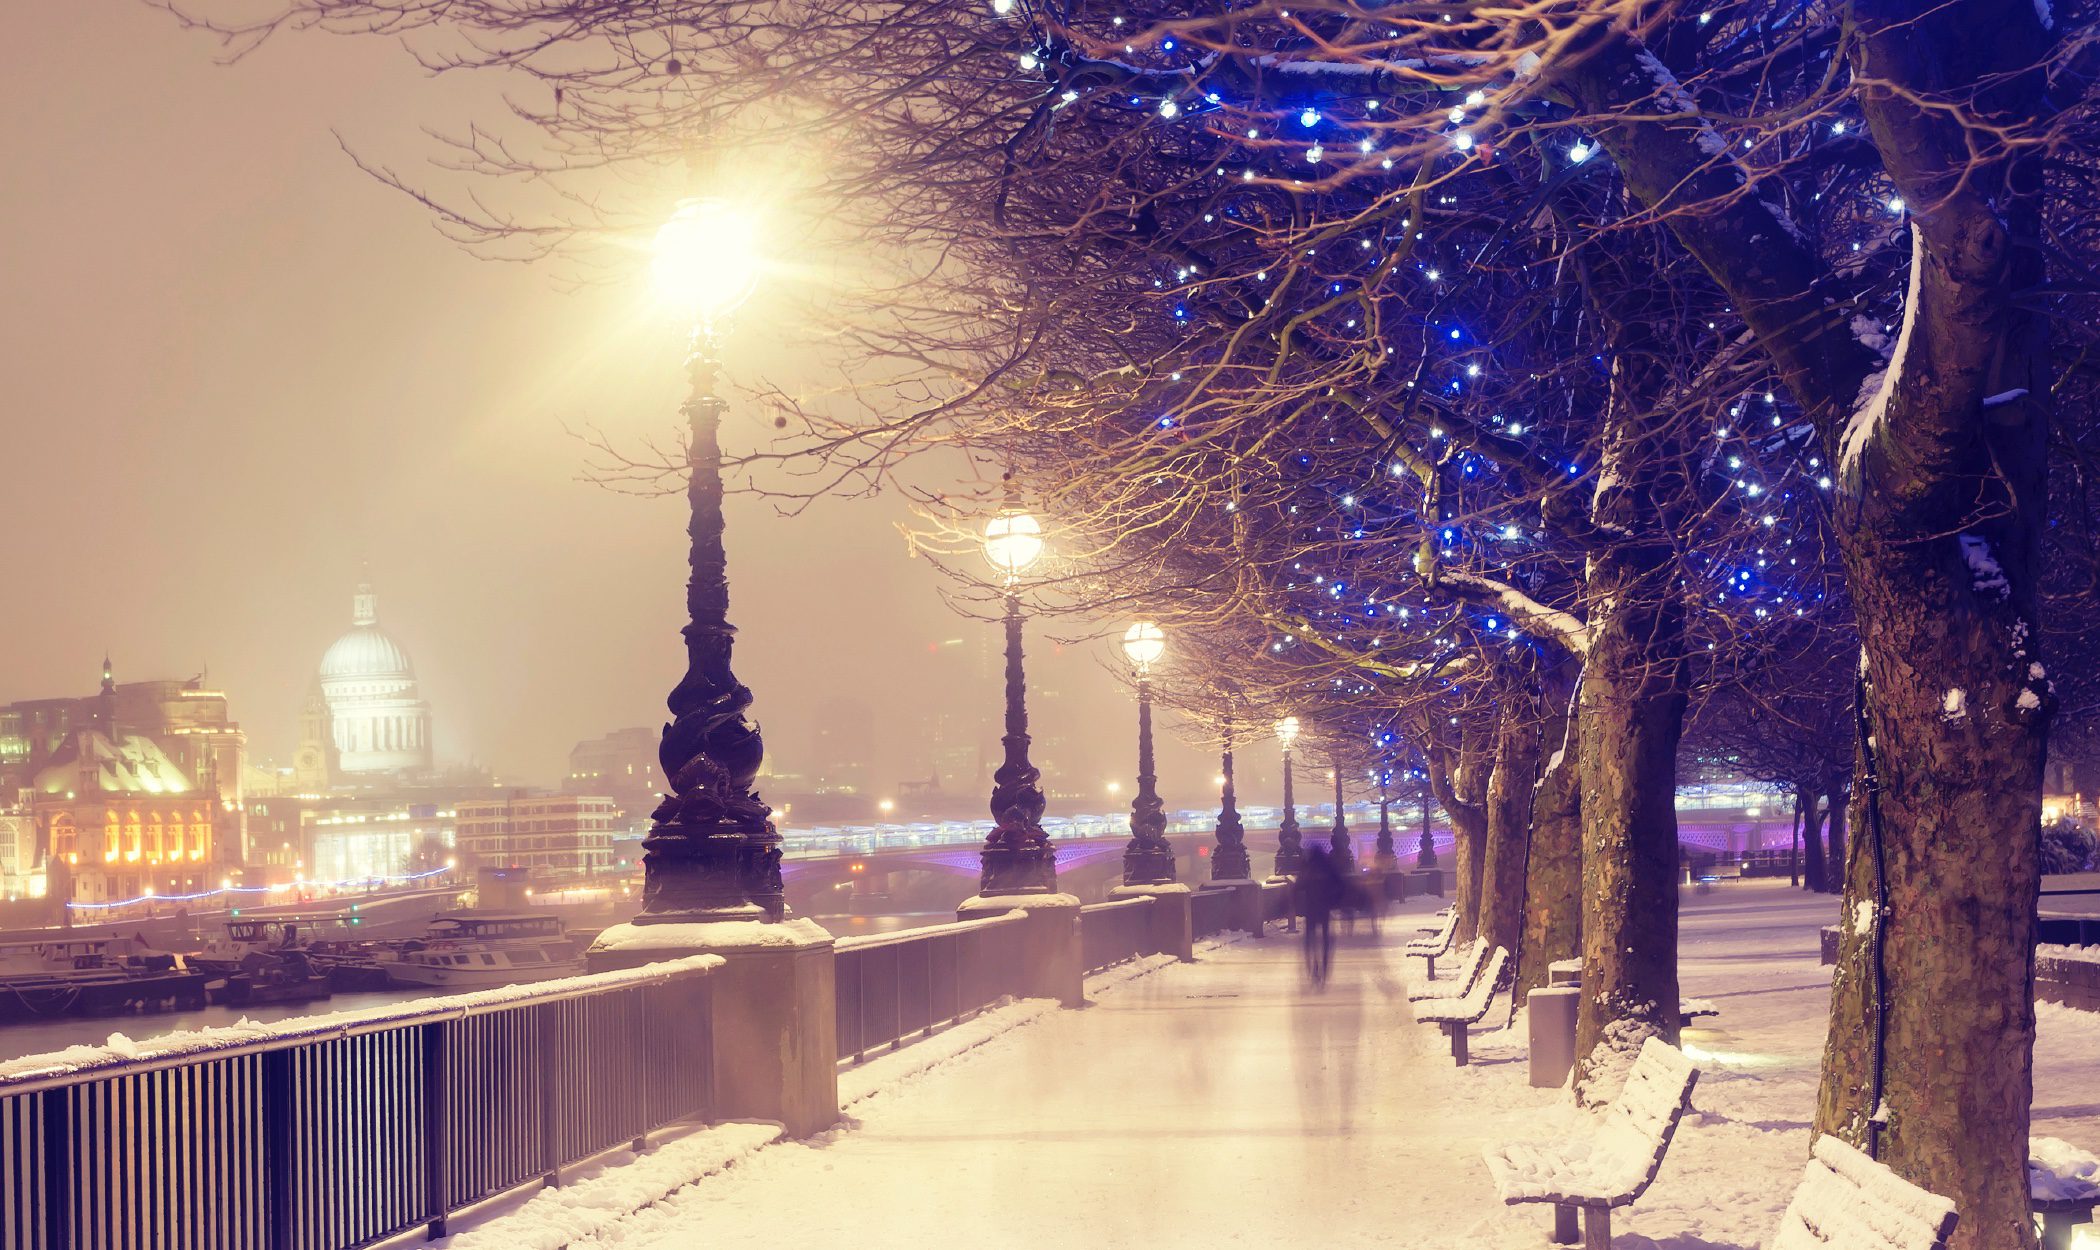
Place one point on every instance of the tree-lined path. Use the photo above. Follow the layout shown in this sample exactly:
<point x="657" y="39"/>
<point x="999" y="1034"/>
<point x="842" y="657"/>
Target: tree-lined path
<point x="1226" y="1102"/>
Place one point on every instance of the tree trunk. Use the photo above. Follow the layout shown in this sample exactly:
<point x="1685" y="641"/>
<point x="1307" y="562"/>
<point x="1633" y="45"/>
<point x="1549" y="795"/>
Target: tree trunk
<point x="1834" y="803"/>
<point x="1815" y="874"/>
<point x="1508" y="829"/>
<point x="1553" y="870"/>
<point x="1940" y="513"/>
<point x="1632" y="709"/>
<point x="1461" y="787"/>
<point x="1793" y="857"/>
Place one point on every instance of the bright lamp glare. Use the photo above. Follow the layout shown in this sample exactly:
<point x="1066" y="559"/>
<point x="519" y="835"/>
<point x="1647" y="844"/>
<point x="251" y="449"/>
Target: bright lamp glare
<point x="1287" y="731"/>
<point x="1012" y="541"/>
<point x="1144" y="643"/>
<point x="707" y="259"/>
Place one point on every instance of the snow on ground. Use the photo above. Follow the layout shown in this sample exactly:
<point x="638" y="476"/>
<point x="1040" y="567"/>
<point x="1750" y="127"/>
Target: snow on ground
<point x="1226" y="1102"/>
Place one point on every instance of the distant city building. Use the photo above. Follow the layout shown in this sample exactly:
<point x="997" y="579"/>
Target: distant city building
<point x="136" y="788"/>
<point x="20" y="874"/>
<point x="843" y="740"/>
<point x="555" y="833"/>
<point x="350" y="838"/>
<point x="622" y="764"/>
<point x="370" y="723"/>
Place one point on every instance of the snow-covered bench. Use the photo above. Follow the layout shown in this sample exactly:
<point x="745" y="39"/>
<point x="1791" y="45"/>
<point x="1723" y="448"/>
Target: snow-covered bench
<point x="1847" y="1201"/>
<point x="1615" y="1165"/>
<point x="2063" y="1182"/>
<point x="1690" y="1009"/>
<point x="1477" y="953"/>
<point x="1455" y="1015"/>
<point x="1428" y="948"/>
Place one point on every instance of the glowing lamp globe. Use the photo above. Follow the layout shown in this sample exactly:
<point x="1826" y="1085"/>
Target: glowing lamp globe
<point x="1144" y="643"/>
<point x="1287" y="731"/>
<point x="1012" y="541"/>
<point x="707" y="260"/>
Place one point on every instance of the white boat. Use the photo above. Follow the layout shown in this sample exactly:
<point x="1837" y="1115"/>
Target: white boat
<point x="478" y="950"/>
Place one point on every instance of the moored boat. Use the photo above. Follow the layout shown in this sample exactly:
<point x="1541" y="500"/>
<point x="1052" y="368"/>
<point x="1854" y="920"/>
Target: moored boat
<point x="92" y="977"/>
<point x="479" y="950"/>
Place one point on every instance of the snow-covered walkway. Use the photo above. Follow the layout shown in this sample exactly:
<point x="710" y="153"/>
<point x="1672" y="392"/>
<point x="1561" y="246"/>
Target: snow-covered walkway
<point x="1225" y="1102"/>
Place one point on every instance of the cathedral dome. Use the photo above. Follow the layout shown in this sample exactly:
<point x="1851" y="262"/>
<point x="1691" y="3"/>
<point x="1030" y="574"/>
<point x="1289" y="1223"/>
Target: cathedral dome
<point x="376" y="722"/>
<point x="365" y="653"/>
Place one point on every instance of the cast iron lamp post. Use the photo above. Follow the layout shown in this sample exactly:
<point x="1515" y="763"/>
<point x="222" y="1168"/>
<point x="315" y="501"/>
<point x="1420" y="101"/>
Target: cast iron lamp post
<point x="1425" y="856"/>
<point x="1017" y="858"/>
<point x="1148" y="860"/>
<point x="1386" y="858"/>
<point x="712" y="852"/>
<point x="1289" y="854"/>
<point x="1338" y="837"/>
<point x="1228" y="862"/>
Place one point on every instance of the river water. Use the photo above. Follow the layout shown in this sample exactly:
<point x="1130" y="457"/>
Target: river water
<point x="41" y="1036"/>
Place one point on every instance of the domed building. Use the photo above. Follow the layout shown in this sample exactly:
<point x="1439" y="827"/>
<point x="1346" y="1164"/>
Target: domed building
<point x="378" y="723"/>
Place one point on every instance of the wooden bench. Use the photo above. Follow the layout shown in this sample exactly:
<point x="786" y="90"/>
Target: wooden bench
<point x="1459" y="986"/>
<point x="1612" y="1167"/>
<point x="2063" y="1184"/>
<point x="1456" y="1015"/>
<point x="1847" y="1201"/>
<point x="1690" y="1009"/>
<point x="1428" y="948"/>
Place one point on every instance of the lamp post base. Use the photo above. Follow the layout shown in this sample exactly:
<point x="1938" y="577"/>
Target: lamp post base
<point x="720" y="871"/>
<point x="1018" y="870"/>
<point x="1148" y="863"/>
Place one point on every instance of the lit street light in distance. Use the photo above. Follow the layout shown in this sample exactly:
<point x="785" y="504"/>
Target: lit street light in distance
<point x="886" y="806"/>
<point x="1115" y="787"/>
<point x="1012" y="541"/>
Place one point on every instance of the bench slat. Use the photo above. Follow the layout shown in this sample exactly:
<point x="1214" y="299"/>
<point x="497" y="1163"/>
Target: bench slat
<point x="1471" y="1008"/>
<point x="1460" y="985"/>
<point x="1848" y="1200"/>
<point x="1617" y="1164"/>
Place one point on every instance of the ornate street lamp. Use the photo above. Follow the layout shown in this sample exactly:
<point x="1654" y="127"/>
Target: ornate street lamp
<point x="1338" y="837"/>
<point x="1148" y="860"/>
<point x="1289" y="854"/>
<point x="712" y="852"/>
<point x="1228" y="862"/>
<point x="1018" y="858"/>
<point x="1425" y="856"/>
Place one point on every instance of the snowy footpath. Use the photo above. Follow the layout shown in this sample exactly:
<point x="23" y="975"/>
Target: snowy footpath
<point x="1226" y="1102"/>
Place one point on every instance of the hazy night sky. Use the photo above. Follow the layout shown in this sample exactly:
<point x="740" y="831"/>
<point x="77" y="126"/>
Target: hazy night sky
<point x="239" y="367"/>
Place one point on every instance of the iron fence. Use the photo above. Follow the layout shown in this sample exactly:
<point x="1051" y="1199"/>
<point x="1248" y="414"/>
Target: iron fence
<point x="892" y="985"/>
<point x="1115" y="932"/>
<point x="1213" y="912"/>
<point x="355" y="1128"/>
<point x="1276" y="901"/>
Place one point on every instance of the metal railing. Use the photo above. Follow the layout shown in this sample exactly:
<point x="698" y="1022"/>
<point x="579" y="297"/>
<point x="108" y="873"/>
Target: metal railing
<point x="1276" y="901"/>
<point x="1212" y="912"/>
<point x="1114" y="932"/>
<point x="354" y="1128"/>
<point x="892" y="985"/>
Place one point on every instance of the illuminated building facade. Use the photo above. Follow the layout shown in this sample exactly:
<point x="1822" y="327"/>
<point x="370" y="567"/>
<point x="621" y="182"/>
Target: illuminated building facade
<point x="134" y="788"/>
<point x="556" y="833"/>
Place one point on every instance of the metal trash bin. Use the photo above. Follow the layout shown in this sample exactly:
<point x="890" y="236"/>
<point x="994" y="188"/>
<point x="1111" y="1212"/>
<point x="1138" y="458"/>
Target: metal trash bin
<point x="1551" y="1010"/>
